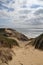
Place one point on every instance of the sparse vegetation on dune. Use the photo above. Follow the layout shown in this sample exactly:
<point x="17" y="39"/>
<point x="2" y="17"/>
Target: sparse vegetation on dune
<point x="13" y="33"/>
<point x="6" y="42"/>
<point x="5" y="55"/>
<point x="10" y="38"/>
<point x="38" y="42"/>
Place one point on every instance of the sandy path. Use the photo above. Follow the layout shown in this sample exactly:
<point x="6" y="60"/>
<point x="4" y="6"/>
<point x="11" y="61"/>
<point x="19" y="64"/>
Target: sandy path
<point x="27" y="56"/>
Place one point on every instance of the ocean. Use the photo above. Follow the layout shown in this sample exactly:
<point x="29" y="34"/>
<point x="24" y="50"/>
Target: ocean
<point x="31" y="30"/>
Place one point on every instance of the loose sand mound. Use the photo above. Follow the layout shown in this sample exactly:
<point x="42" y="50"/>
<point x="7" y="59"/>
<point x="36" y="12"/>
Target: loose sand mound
<point x="27" y="56"/>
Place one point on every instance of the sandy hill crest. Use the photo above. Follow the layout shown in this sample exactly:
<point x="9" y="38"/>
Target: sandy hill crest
<point x="13" y="33"/>
<point x="18" y="49"/>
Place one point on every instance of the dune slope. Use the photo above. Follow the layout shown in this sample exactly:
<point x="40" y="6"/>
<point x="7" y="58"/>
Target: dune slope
<point x="17" y="49"/>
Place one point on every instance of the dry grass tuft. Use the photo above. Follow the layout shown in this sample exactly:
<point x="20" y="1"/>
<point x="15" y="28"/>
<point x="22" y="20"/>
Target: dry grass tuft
<point x="5" y="55"/>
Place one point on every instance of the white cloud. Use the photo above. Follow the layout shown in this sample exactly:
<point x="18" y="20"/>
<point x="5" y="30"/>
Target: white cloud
<point x="18" y="17"/>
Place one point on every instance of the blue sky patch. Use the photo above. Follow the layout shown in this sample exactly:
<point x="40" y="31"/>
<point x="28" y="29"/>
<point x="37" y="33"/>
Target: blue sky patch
<point x="3" y="7"/>
<point x="10" y="9"/>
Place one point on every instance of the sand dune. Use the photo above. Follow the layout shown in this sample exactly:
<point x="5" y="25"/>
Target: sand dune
<point x="24" y="50"/>
<point x="27" y="56"/>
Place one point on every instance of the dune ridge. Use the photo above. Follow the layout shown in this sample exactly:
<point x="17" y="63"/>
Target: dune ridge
<point x="17" y="49"/>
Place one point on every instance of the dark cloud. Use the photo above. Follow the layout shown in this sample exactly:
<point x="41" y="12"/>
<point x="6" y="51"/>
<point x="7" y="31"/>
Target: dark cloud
<point x="40" y="0"/>
<point x="23" y="17"/>
<point x="1" y="2"/>
<point x="7" y="1"/>
<point x="35" y="21"/>
<point x="38" y="12"/>
<point x="3" y="7"/>
<point x="24" y="6"/>
<point x="10" y="9"/>
<point x="24" y="11"/>
<point x="35" y="6"/>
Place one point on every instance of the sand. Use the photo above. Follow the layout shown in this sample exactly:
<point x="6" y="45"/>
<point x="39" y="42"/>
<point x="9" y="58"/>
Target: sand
<point x="27" y="56"/>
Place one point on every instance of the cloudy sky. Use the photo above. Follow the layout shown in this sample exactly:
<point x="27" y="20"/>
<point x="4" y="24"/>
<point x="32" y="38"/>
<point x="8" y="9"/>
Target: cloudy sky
<point x="24" y="15"/>
<point x="21" y="14"/>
